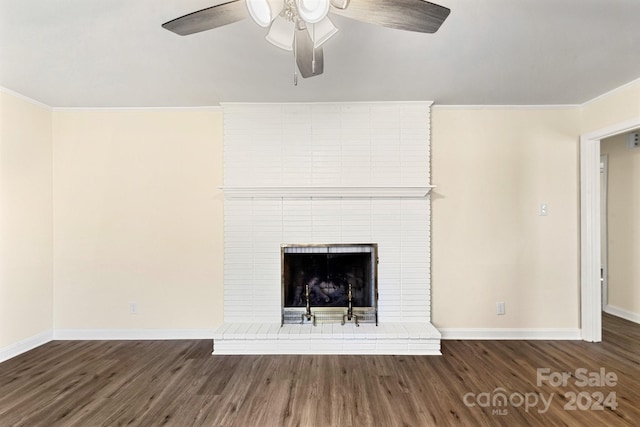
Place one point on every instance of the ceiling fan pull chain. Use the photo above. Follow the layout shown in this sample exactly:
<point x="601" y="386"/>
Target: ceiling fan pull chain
<point x="313" y="52"/>
<point x="295" y="59"/>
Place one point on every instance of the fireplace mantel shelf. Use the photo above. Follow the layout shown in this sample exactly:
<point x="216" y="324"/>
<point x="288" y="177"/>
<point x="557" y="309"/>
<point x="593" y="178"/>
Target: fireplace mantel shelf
<point x="327" y="192"/>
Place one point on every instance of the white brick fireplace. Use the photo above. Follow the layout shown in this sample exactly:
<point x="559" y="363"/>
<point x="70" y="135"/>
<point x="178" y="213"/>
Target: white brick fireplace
<point x="340" y="173"/>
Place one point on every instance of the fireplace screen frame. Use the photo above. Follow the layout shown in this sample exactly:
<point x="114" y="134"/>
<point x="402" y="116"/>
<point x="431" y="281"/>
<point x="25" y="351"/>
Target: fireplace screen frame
<point x="331" y="314"/>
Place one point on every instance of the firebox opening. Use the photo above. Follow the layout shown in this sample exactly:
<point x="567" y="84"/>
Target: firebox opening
<point x="329" y="283"/>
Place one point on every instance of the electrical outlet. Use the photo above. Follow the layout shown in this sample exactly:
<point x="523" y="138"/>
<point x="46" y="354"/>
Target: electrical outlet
<point x="133" y="308"/>
<point x="500" y="308"/>
<point x="633" y="140"/>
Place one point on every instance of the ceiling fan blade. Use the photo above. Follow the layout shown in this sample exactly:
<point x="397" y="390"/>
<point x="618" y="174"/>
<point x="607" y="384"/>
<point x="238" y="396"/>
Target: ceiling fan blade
<point x="310" y="61"/>
<point x="409" y="15"/>
<point x="208" y="19"/>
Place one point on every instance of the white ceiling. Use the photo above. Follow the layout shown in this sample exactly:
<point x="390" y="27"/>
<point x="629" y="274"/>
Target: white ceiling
<point x="114" y="53"/>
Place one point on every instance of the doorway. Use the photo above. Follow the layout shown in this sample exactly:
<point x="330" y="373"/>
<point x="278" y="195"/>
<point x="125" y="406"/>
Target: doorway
<point x="620" y="194"/>
<point x="590" y="233"/>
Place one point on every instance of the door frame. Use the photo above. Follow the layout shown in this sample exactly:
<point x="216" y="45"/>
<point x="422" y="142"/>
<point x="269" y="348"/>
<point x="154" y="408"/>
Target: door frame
<point x="604" y="225"/>
<point x="590" y="287"/>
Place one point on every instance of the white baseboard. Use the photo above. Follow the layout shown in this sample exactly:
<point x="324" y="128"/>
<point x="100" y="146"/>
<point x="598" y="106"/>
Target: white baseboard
<point x="620" y="312"/>
<point x="132" y="334"/>
<point x="25" y="345"/>
<point x="510" y="334"/>
<point x="30" y="343"/>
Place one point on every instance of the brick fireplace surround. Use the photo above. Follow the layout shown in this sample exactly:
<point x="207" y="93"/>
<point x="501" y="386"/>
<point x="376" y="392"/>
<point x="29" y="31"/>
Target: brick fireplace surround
<point x="327" y="173"/>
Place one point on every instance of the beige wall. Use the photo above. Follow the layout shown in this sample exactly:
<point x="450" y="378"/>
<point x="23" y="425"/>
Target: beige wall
<point x="25" y="220"/>
<point x="493" y="168"/>
<point x="137" y="218"/>
<point x="623" y="224"/>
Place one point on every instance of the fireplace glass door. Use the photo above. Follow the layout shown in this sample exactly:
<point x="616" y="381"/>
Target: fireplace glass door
<point x="329" y="283"/>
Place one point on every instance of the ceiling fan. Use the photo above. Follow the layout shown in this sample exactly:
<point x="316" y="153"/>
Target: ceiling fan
<point x="302" y="26"/>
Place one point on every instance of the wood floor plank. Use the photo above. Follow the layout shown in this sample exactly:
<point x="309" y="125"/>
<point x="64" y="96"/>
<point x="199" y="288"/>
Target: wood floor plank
<point x="179" y="383"/>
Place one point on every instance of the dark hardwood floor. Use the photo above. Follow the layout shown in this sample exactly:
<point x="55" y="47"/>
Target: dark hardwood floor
<point x="179" y="383"/>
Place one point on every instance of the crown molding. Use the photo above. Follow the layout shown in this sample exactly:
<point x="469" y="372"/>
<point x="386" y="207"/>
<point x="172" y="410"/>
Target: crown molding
<point x="220" y="107"/>
<point x="445" y="107"/>
<point x="24" y="98"/>
<point x="611" y="92"/>
<point x="135" y="109"/>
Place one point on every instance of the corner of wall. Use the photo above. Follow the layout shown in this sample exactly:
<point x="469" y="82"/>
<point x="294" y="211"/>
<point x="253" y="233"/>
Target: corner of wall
<point x="25" y="223"/>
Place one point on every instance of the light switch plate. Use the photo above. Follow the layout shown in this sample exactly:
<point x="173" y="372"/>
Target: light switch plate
<point x="544" y="209"/>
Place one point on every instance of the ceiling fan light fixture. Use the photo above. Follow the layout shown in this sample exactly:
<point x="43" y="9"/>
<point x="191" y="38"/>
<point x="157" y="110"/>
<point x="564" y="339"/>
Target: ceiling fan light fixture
<point x="321" y="32"/>
<point x="312" y="11"/>
<point x="263" y="12"/>
<point x="340" y="4"/>
<point x="281" y="33"/>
